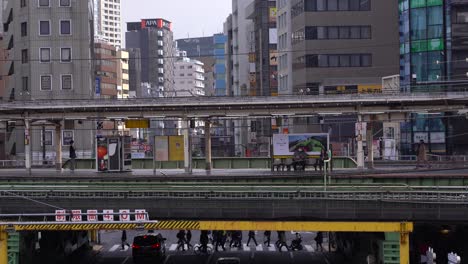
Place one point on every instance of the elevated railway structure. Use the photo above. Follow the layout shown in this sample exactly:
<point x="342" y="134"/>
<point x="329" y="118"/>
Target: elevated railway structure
<point x="364" y="106"/>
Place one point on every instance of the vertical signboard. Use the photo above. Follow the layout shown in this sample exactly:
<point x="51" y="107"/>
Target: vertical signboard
<point x="97" y="86"/>
<point x="161" y="148"/>
<point x="176" y="148"/>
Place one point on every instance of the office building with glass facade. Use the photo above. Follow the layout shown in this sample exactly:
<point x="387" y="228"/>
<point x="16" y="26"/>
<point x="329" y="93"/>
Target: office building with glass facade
<point x="433" y="52"/>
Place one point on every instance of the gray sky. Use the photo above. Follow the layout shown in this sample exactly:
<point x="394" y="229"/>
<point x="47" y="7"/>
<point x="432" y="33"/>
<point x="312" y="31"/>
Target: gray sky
<point x="196" y="18"/>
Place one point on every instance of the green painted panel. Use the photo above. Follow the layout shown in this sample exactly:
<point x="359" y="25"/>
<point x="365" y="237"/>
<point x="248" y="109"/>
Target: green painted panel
<point x="417" y="3"/>
<point x="435" y="2"/>
<point x="435" y="44"/>
<point x="418" y="46"/>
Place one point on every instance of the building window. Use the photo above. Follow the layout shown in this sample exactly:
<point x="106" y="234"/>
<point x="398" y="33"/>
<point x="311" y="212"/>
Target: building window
<point x="44" y="28"/>
<point x="338" y="32"/>
<point x="44" y="55"/>
<point x="24" y="29"/>
<point x="65" y="55"/>
<point x="65" y="27"/>
<point x="67" y="82"/>
<point x="44" y="3"/>
<point x="23" y="3"/>
<point x="65" y="3"/>
<point x="46" y="82"/>
<point x="24" y="56"/>
<point x="25" y="84"/>
<point x="338" y="60"/>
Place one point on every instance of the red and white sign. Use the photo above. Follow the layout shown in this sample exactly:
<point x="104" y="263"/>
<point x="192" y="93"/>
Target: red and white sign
<point x="60" y="216"/>
<point x="92" y="215"/>
<point x="124" y="215"/>
<point x="140" y="215"/>
<point x="108" y="215"/>
<point x="76" y="216"/>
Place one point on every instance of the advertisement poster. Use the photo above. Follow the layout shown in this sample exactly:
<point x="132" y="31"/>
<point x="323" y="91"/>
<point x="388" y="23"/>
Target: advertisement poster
<point x="286" y="144"/>
<point x="162" y="148"/>
<point x="272" y="15"/>
<point x="176" y="148"/>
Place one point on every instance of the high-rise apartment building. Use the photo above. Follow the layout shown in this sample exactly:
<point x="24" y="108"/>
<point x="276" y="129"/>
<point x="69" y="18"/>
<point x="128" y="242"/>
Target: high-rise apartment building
<point x="339" y="46"/>
<point x="108" y="21"/>
<point x="189" y="78"/>
<point x="154" y="40"/>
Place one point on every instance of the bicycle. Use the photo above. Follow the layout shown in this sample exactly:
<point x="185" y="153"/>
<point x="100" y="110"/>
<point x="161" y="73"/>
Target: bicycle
<point x="198" y="249"/>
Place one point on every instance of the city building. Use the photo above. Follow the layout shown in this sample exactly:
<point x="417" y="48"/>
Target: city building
<point x="189" y="77"/>
<point x="433" y="58"/>
<point x="219" y="41"/>
<point x="134" y="70"/>
<point x="154" y="40"/>
<point x="339" y="46"/>
<point x="123" y="80"/>
<point x="264" y="39"/>
<point x="50" y="46"/>
<point x="108" y="21"/>
<point x="106" y="70"/>
<point x="239" y="45"/>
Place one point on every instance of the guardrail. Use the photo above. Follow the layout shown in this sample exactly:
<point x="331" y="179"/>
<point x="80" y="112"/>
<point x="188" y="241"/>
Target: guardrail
<point x="423" y="197"/>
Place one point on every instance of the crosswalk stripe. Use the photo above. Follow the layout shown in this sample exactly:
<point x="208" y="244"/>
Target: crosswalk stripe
<point x="245" y="247"/>
<point x="309" y="248"/>
<point x="126" y="248"/>
<point x="271" y="248"/>
<point x="173" y="247"/>
<point x="113" y="248"/>
<point x="259" y="248"/>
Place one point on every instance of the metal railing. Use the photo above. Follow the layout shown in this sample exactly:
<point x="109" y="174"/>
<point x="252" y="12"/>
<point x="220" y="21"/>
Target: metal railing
<point x="404" y="196"/>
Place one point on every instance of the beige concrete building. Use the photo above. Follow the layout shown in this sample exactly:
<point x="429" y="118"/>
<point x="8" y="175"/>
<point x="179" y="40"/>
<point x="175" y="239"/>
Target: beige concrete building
<point x="123" y="86"/>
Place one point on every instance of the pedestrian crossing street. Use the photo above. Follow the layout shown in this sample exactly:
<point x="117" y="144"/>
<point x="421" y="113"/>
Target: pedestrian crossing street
<point x="245" y="248"/>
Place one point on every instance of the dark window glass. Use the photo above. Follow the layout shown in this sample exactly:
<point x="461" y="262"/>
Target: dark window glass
<point x="323" y="61"/>
<point x="44" y="28"/>
<point x="366" y="60"/>
<point x="311" y="32"/>
<point x="364" y="5"/>
<point x="355" y="60"/>
<point x="333" y="32"/>
<point x="43" y="2"/>
<point x="322" y="33"/>
<point x="333" y="60"/>
<point x="24" y="29"/>
<point x="312" y="61"/>
<point x="365" y="32"/>
<point x="25" y="84"/>
<point x="66" y="82"/>
<point x="321" y="5"/>
<point x="344" y="60"/>
<point x="65" y="55"/>
<point x="24" y="56"/>
<point x="64" y="2"/>
<point x="65" y="27"/>
<point x="343" y="5"/>
<point x="344" y="32"/>
<point x="355" y="32"/>
<point x="354" y="5"/>
<point x="46" y="82"/>
<point x="310" y="5"/>
<point x="23" y="3"/>
<point x="332" y="5"/>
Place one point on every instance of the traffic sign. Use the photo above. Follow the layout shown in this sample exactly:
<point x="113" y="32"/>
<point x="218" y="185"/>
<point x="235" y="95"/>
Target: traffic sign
<point x="60" y="216"/>
<point x="124" y="215"/>
<point x="140" y="215"/>
<point x="92" y="215"/>
<point x="108" y="215"/>
<point x="76" y="216"/>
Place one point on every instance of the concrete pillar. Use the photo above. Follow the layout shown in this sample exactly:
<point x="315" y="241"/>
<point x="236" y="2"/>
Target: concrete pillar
<point x="370" y="144"/>
<point x="187" y="146"/>
<point x="404" y="248"/>
<point x="3" y="247"/>
<point x="58" y="147"/>
<point x="360" y="149"/>
<point x="27" y="145"/>
<point x="208" y="161"/>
